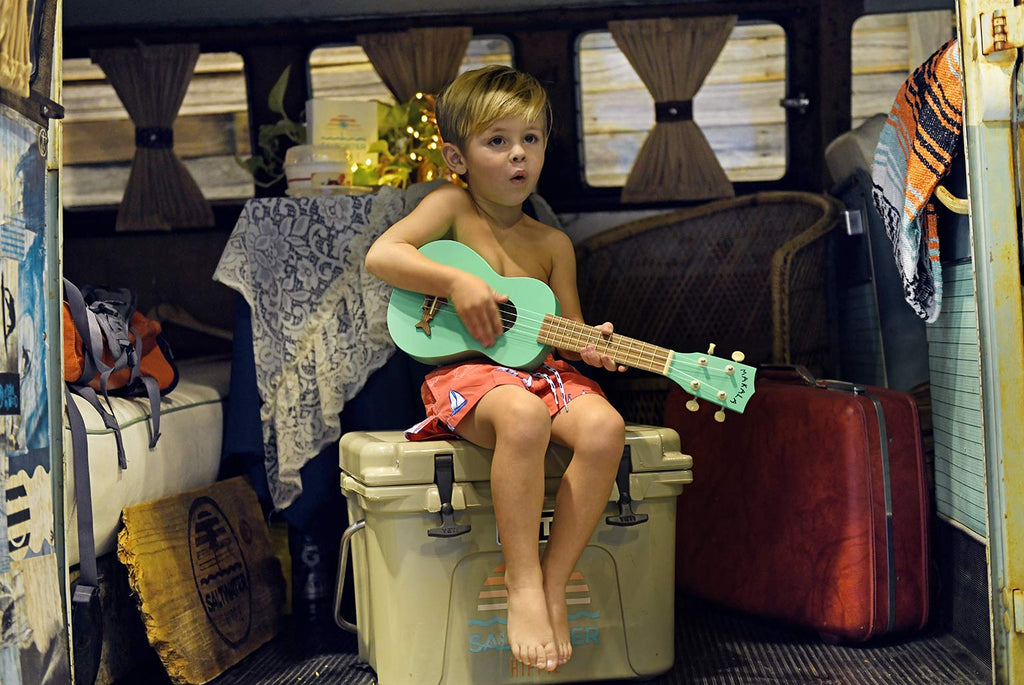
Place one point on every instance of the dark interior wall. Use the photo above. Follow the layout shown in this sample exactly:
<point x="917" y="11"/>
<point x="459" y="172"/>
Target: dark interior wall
<point x="170" y="267"/>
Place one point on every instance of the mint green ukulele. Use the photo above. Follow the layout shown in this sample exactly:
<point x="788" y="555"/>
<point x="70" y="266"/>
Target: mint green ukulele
<point x="428" y="329"/>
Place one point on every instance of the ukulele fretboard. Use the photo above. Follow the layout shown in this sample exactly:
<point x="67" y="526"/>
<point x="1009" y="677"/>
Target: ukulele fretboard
<point x="567" y="334"/>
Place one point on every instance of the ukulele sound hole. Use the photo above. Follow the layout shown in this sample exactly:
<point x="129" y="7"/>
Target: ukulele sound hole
<point x="508" y="315"/>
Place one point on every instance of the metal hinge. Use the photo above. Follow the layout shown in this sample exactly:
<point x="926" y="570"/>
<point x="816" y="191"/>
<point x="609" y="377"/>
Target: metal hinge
<point x="854" y="220"/>
<point x="1002" y="29"/>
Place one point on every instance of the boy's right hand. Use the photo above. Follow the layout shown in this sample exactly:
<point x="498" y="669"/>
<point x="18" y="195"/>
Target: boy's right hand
<point x="476" y="303"/>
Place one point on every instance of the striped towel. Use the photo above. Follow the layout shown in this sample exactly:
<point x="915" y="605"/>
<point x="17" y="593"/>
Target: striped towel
<point x="915" y="150"/>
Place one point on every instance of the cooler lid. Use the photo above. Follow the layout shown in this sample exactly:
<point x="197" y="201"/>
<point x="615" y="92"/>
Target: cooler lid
<point x="379" y="458"/>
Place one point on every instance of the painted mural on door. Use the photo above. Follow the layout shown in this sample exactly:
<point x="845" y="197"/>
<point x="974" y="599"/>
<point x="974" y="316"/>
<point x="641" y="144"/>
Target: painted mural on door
<point x="33" y="646"/>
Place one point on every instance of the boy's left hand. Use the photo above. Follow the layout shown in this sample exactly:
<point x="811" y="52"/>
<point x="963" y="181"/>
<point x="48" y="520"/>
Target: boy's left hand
<point x="590" y="355"/>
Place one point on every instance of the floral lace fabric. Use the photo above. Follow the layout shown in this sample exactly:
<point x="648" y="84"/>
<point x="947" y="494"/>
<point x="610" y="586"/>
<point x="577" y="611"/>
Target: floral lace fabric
<point x="318" y="317"/>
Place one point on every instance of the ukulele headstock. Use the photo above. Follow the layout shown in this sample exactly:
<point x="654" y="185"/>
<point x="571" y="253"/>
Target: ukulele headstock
<point x="727" y="383"/>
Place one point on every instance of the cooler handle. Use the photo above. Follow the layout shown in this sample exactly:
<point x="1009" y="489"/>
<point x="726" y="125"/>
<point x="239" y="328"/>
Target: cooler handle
<point x="444" y="477"/>
<point x="346" y="546"/>
<point x="626" y="515"/>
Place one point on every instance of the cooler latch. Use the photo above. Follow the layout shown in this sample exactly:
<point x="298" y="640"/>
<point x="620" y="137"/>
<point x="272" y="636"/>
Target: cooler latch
<point x="626" y="516"/>
<point x="444" y="477"/>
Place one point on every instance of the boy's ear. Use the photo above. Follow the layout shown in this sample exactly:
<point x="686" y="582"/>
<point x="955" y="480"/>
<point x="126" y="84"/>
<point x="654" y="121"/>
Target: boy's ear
<point x="453" y="158"/>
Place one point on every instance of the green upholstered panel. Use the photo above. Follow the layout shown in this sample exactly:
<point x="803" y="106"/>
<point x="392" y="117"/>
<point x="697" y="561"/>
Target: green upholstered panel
<point x="954" y="362"/>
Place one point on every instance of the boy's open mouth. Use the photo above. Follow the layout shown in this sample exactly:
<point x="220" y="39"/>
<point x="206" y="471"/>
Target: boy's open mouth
<point x="519" y="176"/>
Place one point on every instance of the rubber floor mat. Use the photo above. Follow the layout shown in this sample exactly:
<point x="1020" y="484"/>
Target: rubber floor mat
<point x="713" y="647"/>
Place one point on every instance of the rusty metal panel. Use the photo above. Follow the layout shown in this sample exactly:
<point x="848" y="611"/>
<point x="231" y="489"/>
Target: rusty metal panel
<point x="991" y="125"/>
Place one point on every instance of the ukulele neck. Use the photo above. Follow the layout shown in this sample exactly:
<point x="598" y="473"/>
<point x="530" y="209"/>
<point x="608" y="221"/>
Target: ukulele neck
<point x="566" y="334"/>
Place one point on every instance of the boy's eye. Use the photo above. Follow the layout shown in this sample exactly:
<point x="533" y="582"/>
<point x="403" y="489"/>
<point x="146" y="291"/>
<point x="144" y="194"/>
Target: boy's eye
<point x="496" y="140"/>
<point x="531" y="138"/>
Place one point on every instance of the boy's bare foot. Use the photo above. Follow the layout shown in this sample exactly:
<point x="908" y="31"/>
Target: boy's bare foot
<point x="529" y="630"/>
<point x="558" y="614"/>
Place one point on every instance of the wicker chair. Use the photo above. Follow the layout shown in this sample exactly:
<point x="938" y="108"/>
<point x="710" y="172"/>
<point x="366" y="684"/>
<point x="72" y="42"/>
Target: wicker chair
<point x="747" y="273"/>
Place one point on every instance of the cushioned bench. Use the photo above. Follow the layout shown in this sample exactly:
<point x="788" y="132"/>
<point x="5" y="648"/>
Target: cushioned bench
<point x="186" y="457"/>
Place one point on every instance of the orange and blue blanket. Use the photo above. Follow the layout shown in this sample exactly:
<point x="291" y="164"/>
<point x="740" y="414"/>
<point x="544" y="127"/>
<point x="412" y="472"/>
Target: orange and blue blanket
<point x="915" y="150"/>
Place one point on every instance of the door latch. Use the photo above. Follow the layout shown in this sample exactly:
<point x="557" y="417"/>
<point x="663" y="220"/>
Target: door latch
<point x="1001" y="29"/>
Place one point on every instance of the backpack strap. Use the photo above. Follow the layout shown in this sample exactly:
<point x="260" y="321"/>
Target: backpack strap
<point x="92" y="339"/>
<point x="153" y="392"/>
<point x="86" y="618"/>
<point x="115" y="332"/>
<point x="88" y="330"/>
<point x="83" y="493"/>
<point x="109" y="420"/>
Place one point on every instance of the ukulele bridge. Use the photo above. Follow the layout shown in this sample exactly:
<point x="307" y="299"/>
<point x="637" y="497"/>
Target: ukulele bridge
<point x="431" y="303"/>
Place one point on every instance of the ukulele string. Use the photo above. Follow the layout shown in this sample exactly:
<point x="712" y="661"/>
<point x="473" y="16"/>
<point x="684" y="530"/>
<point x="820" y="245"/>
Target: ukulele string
<point x="510" y="314"/>
<point x="645" y="355"/>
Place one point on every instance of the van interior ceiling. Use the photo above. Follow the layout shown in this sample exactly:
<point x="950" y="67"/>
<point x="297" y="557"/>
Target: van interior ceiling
<point x="790" y="112"/>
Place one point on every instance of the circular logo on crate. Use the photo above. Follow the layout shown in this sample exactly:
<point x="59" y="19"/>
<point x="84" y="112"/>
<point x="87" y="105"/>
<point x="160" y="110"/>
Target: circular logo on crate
<point x="220" y="572"/>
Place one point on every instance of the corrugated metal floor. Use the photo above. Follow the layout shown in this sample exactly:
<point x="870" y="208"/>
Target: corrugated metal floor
<point x="713" y="647"/>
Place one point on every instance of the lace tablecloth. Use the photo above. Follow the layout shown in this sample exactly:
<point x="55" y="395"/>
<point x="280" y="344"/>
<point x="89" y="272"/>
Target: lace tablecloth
<point x="318" y="318"/>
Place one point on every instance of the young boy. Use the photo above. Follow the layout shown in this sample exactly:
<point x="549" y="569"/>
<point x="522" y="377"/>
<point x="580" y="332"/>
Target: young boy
<point x="494" y="124"/>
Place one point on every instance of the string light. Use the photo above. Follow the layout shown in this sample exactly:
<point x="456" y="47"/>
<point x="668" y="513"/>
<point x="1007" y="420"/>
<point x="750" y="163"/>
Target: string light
<point x="408" y="151"/>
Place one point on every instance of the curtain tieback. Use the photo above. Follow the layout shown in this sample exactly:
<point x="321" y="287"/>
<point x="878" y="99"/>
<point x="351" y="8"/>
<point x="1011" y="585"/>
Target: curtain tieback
<point x="673" y="110"/>
<point x="154" y="137"/>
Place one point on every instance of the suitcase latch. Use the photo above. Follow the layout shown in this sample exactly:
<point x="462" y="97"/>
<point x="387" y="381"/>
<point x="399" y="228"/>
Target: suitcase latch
<point x="626" y="515"/>
<point x="444" y="477"/>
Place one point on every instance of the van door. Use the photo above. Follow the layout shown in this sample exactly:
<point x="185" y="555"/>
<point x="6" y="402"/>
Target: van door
<point x="990" y="34"/>
<point x="33" y="632"/>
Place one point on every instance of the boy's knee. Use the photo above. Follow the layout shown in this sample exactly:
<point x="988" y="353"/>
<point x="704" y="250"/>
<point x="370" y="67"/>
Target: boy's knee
<point x="526" y="415"/>
<point x="605" y="431"/>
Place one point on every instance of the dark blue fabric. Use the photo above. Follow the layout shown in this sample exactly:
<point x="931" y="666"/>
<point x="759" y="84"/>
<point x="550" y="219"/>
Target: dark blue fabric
<point x="389" y="401"/>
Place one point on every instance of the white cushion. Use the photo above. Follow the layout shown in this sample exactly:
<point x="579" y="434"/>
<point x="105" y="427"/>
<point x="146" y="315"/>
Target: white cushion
<point x="854" y="149"/>
<point x="187" y="455"/>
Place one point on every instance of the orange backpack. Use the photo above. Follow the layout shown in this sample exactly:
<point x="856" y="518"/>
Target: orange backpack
<point x="112" y="349"/>
<point x="155" y="360"/>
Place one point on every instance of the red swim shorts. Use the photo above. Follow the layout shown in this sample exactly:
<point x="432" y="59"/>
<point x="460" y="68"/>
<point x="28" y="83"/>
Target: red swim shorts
<point x="450" y="392"/>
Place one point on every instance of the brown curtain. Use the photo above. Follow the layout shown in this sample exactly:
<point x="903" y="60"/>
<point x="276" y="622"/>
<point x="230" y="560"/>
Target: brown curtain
<point x="416" y="60"/>
<point x="673" y="57"/>
<point x="151" y="81"/>
<point x="15" y="40"/>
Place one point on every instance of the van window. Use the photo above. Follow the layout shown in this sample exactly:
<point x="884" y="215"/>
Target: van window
<point x="886" y="49"/>
<point x="211" y="129"/>
<point x="737" y="107"/>
<point x="344" y="71"/>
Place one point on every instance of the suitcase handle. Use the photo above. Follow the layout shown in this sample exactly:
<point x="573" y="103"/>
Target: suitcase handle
<point x="346" y="546"/>
<point x="786" y="373"/>
<point x="793" y="373"/>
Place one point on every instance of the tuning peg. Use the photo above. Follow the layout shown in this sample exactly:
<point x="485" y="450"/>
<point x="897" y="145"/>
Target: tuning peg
<point x="720" y="416"/>
<point x="695" y="384"/>
<point x="692" y="404"/>
<point x="711" y="348"/>
<point x="729" y="369"/>
<point x="722" y="397"/>
<point x="738" y="356"/>
<point x="702" y="361"/>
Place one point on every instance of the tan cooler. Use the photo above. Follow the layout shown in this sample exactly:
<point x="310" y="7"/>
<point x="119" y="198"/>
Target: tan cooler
<point x="429" y="574"/>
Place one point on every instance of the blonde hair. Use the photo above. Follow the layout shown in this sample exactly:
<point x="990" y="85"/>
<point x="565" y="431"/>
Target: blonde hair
<point x="480" y="97"/>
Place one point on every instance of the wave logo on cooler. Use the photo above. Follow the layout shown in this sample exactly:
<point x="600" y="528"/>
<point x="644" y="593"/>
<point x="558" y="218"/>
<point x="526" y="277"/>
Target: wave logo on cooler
<point x="492" y="614"/>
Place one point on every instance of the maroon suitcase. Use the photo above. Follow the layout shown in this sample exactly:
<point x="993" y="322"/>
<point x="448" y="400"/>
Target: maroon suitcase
<point x="809" y="507"/>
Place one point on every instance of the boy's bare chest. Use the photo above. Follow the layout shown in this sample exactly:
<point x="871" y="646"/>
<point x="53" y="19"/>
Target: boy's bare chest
<point x="509" y="255"/>
<point x="512" y="262"/>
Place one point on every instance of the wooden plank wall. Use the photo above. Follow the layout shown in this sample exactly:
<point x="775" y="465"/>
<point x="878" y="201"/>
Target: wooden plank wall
<point x="99" y="138"/>
<point x="738" y="107"/>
